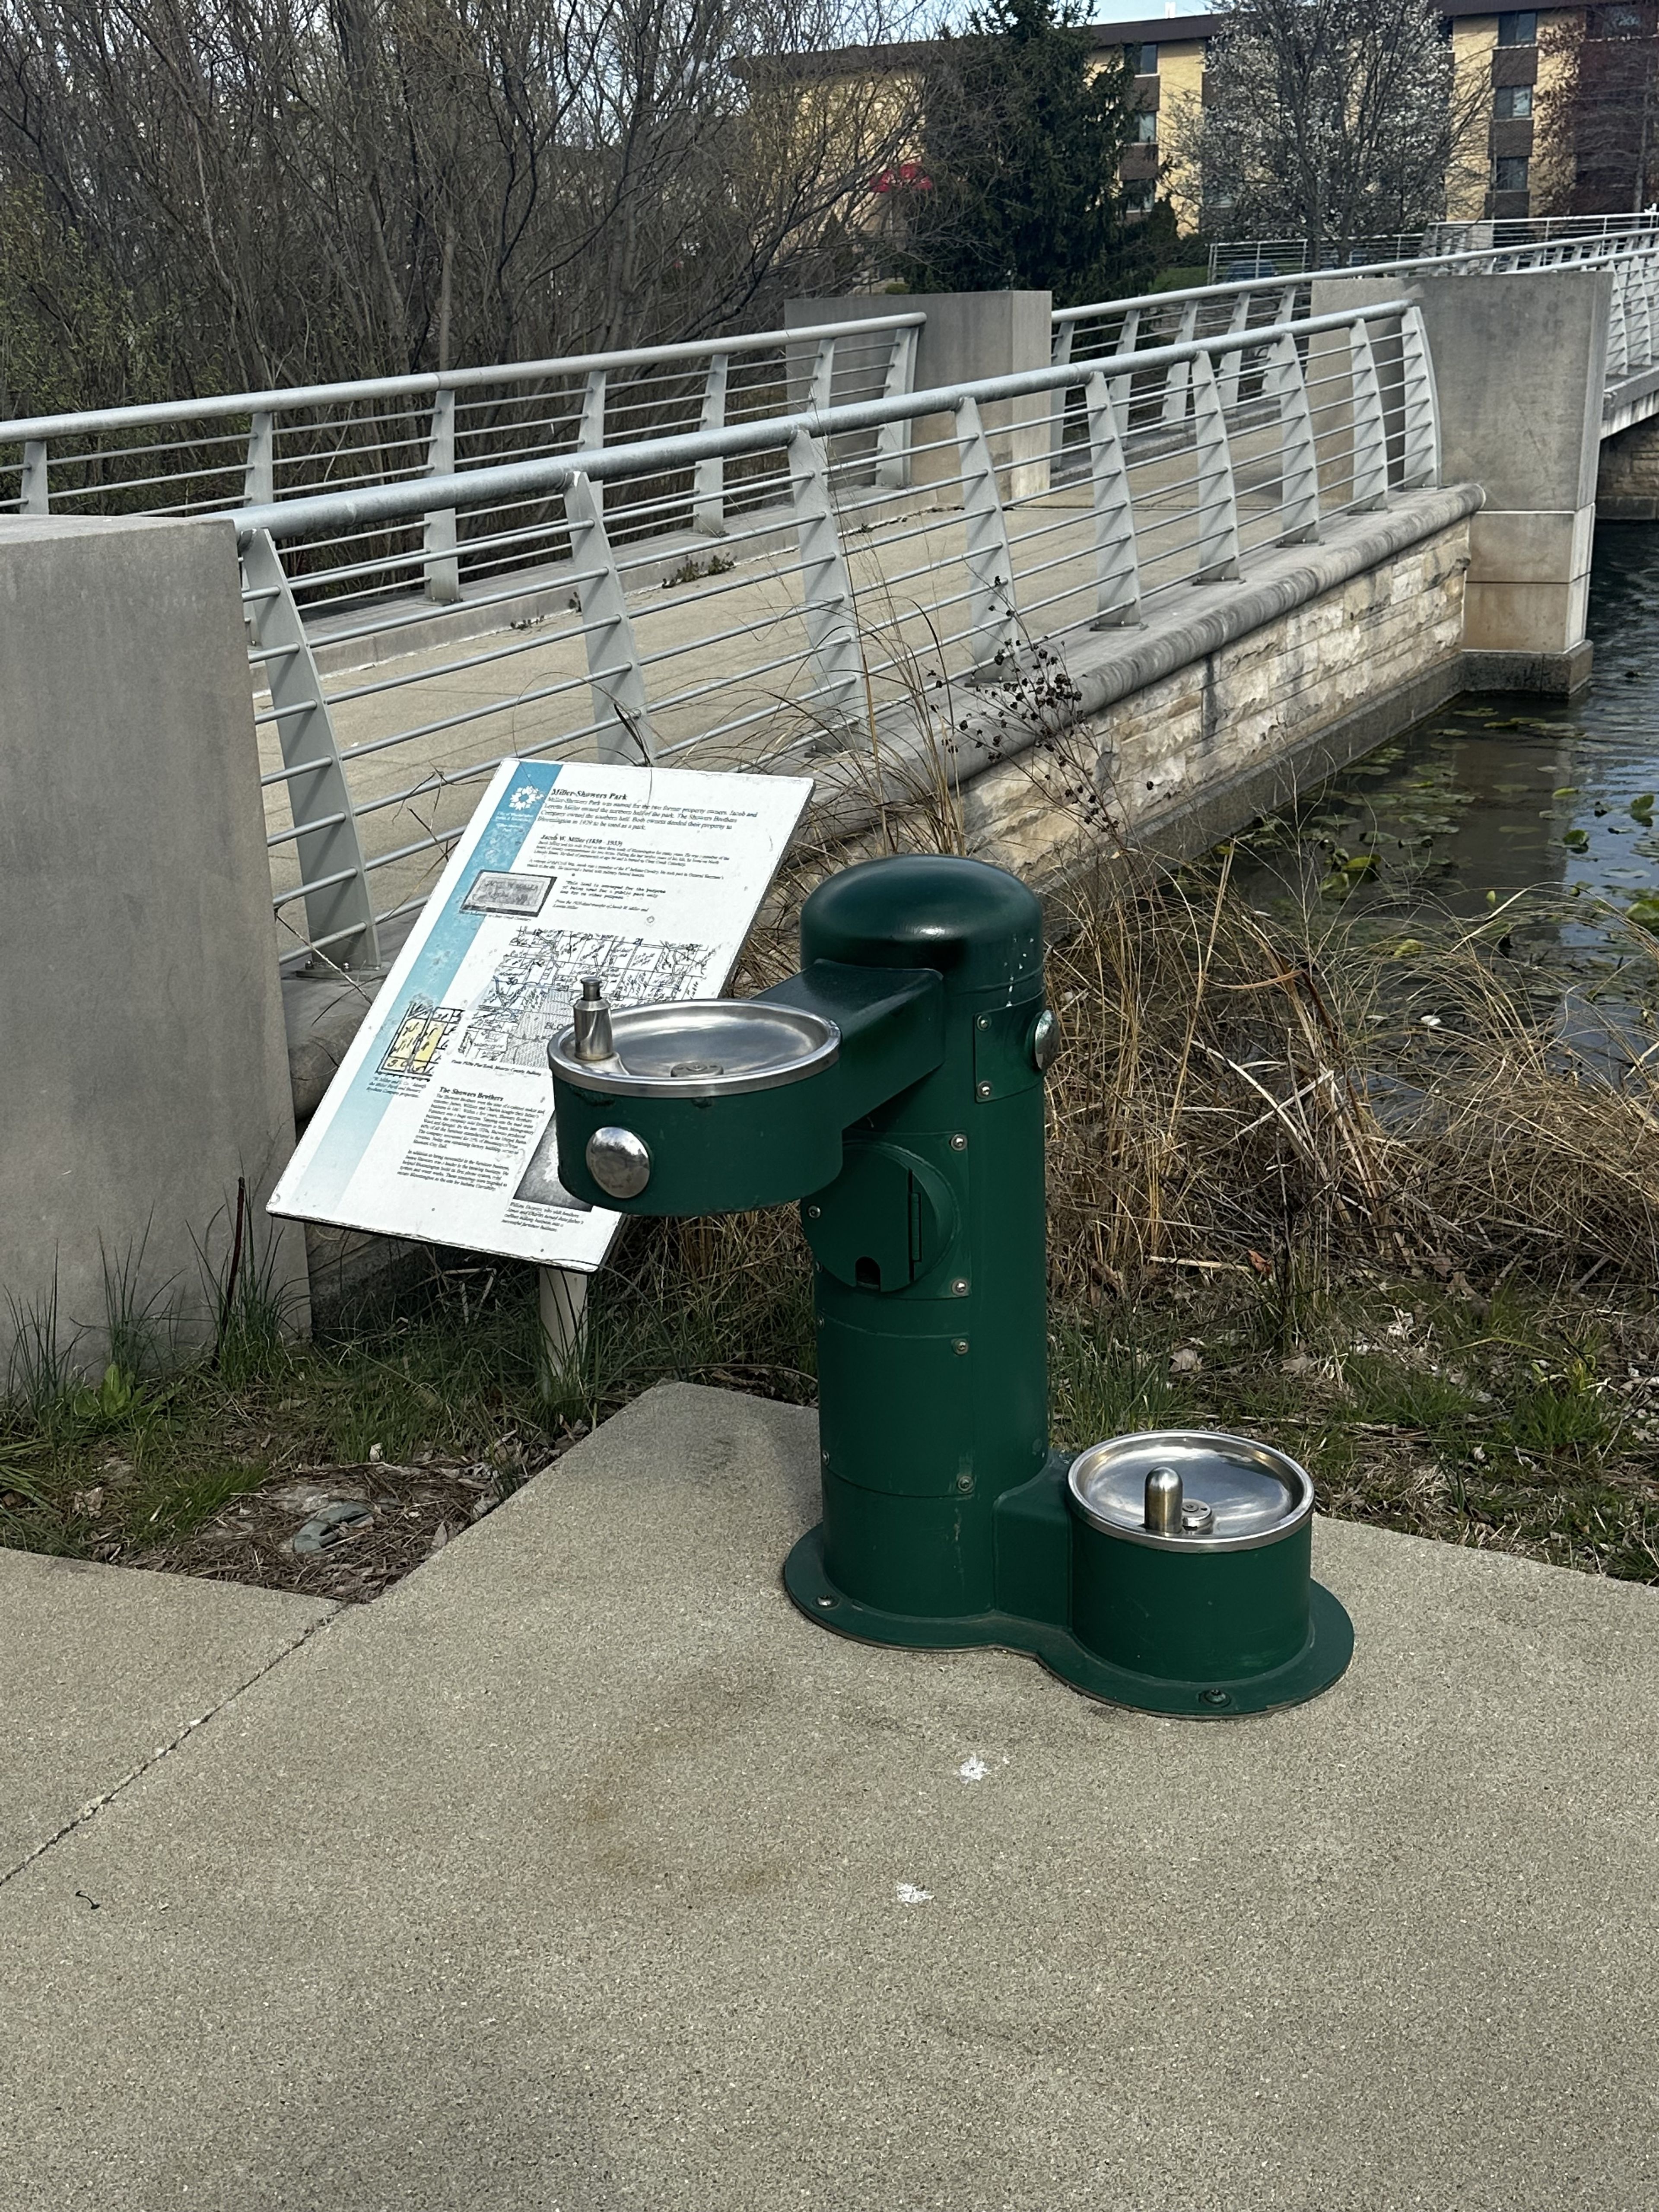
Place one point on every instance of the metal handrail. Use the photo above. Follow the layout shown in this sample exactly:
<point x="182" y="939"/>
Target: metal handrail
<point x="293" y="398"/>
<point x="498" y="484"/>
<point x="845" y="565"/>
<point x="1510" y="232"/>
<point x="1234" y="286"/>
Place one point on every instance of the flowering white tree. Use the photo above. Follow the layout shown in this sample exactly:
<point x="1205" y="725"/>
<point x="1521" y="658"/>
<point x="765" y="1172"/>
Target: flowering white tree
<point x="1325" y="119"/>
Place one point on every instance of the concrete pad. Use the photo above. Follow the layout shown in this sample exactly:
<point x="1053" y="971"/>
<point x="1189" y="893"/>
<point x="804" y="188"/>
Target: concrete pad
<point x="103" y="1667"/>
<point x="572" y="1873"/>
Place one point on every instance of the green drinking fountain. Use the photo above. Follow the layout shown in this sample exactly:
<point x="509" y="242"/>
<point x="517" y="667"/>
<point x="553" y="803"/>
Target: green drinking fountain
<point x="894" y="1089"/>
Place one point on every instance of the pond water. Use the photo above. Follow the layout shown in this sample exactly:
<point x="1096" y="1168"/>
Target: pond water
<point x="1536" y="816"/>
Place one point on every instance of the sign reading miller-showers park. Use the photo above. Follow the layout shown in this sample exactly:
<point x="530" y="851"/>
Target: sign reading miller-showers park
<point x="439" y="1125"/>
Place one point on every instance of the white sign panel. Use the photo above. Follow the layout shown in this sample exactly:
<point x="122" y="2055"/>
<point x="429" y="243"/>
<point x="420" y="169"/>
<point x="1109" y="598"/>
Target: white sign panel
<point x="439" y="1124"/>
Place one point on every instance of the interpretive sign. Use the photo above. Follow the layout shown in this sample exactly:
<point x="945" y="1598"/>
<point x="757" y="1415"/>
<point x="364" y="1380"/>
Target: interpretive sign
<point x="439" y="1124"/>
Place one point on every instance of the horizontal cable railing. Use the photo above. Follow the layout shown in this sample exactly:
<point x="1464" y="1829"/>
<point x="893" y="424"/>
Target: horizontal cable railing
<point x="1084" y="334"/>
<point x="885" y="562"/>
<point x="1261" y="258"/>
<point x="208" y="455"/>
<point x="1265" y="257"/>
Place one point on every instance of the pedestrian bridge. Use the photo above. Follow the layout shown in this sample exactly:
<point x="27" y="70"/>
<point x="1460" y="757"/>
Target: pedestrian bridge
<point x="900" y="549"/>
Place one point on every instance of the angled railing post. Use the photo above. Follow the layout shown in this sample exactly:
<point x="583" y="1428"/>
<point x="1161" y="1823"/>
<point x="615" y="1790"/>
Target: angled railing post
<point x="33" y="492"/>
<point x="258" y="488"/>
<point x="992" y="627"/>
<point x="1641" y="320"/>
<point x="1117" y="568"/>
<point x="1178" y="376"/>
<point x="708" y="477"/>
<point x="1618" y="339"/>
<point x="1232" y="363"/>
<point x="339" y="911"/>
<point x="1123" y="388"/>
<point x="1059" y="357"/>
<point x="893" y="439"/>
<point x="1217" y="504"/>
<point x="823" y="378"/>
<point x="1419" y="458"/>
<point x="260" y="471"/>
<point x="615" y="674"/>
<point x="828" y="607"/>
<point x="1286" y="387"/>
<point x="1370" y="438"/>
<point x="590" y="426"/>
<point x="442" y="564"/>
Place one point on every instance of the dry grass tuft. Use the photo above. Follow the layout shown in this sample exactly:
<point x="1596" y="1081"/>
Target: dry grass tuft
<point x="1239" y="1094"/>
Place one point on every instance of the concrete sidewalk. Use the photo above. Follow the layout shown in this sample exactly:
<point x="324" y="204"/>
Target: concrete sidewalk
<point x="574" y="1874"/>
<point x="104" y="1669"/>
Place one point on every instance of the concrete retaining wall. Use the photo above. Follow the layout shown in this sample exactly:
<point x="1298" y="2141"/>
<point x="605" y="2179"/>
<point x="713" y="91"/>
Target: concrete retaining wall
<point x="1243" y="722"/>
<point x="144" y="1067"/>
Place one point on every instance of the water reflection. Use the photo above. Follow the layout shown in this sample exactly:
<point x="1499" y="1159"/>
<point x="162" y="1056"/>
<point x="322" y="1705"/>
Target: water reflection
<point x="1497" y="796"/>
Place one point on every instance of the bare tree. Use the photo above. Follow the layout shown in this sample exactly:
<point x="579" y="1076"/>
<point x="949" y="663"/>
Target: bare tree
<point x="1327" y="119"/>
<point x="1596" y="149"/>
<point x="207" y="194"/>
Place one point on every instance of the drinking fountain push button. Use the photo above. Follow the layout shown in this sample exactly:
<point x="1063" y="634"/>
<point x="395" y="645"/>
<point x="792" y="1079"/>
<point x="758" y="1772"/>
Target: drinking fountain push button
<point x="619" y="1162"/>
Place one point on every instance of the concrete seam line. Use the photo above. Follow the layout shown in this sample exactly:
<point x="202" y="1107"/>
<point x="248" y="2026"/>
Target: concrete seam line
<point x="87" y="1812"/>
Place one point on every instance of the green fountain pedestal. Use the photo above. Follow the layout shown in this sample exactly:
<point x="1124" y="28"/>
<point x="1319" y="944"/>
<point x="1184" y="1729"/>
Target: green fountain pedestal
<point x="894" y="1088"/>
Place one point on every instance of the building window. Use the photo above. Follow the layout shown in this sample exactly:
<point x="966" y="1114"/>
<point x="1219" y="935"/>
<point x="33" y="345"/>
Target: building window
<point x="1147" y="127"/>
<point x="1520" y="30"/>
<point x="1142" y="60"/>
<point x="1512" y="103"/>
<point x="1137" y="196"/>
<point x="1509" y="174"/>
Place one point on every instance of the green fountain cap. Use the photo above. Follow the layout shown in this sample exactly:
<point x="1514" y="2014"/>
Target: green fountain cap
<point x="979" y="925"/>
<point x="1191" y="1490"/>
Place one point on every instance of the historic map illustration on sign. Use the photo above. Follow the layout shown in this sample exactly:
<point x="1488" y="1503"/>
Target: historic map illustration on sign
<point x="527" y="1001"/>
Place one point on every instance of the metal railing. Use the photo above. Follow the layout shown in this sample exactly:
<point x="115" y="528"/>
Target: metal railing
<point x="1082" y="334"/>
<point x="203" y="456"/>
<point x="1262" y="258"/>
<point x="917" y="560"/>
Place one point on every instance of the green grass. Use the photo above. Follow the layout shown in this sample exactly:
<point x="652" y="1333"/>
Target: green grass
<point x="1509" y="1420"/>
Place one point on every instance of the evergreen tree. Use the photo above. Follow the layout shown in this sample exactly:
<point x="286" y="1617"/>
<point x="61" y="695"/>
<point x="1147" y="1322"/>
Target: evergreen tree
<point x="1022" y="138"/>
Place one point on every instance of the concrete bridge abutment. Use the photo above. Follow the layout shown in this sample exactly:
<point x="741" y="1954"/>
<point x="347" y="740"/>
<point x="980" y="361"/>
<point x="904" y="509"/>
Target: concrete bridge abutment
<point x="145" y="1068"/>
<point x="1520" y="366"/>
<point x="968" y="337"/>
